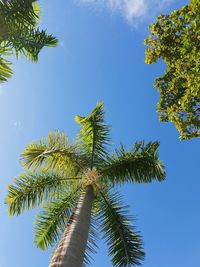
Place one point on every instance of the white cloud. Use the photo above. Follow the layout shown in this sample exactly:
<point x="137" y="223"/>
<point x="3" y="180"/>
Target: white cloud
<point x="132" y="10"/>
<point x="61" y="43"/>
<point x="17" y="124"/>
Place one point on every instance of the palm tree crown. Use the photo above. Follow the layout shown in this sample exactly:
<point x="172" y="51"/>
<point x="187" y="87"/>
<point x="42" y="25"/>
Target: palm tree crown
<point x="19" y="33"/>
<point x="58" y="174"/>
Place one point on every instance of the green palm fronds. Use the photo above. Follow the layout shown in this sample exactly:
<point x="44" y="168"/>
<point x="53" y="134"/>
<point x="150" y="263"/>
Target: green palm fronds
<point x="58" y="172"/>
<point x="20" y="34"/>
<point x="53" y="219"/>
<point x="140" y="165"/>
<point x="94" y="134"/>
<point x="32" y="189"/>
<point x="5" y="70"/>
<point x="54" y="153"/>
<point x="125" y="245"/>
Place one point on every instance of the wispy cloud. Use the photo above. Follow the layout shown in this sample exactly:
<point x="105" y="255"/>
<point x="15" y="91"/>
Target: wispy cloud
<point x="133" y="11"/>
<point x="17" y="124"/>
<point x="61" y="43"/>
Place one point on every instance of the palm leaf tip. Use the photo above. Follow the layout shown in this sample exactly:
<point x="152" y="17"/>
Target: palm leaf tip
<point x="94" y="135"/>
<point x="5" y="71"/>
<point x="152" y="150"/>
<point x="97" y="111"/>
<point x="125" y="244"/>
<point x="95" y="116"/>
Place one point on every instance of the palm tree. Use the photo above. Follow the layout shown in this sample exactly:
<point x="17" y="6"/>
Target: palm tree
<point x="19" y="33"/>
<point x="76" y="185"/>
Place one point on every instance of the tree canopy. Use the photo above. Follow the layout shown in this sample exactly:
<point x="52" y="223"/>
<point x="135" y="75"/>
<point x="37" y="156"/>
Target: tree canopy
<point x="176" y="39"/>
<point x="20" y="34"/>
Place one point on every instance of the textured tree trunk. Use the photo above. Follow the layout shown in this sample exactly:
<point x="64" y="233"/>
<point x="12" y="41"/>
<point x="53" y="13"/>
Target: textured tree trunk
<point x="71" y="248"/>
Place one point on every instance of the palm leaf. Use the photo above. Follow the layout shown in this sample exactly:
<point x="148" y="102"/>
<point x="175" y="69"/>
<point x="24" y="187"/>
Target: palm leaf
<point x="125" y="245"/>
<point x="18" y="11"/>
<point x="5" y="70"/>
<point x="141" y="165"/>
<point x="53" y="220"/>
<point x="54" y="153"/>
<point x="30" y="190"/>
<point x="92" y="246"/>
<point x="29" y="41"/>
<point x="19" y="32"/>
<point x="94" y="134"/>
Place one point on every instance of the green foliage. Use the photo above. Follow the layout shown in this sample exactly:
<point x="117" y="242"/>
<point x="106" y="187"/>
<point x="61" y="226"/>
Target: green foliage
<point x="176" y="39"/>
<point x="52" y="221"/>
<point x="140" y="165"/>
<point x="53" y="153"/>
<point x="5" y="70"/>
<point x="20" y="34"/>
<point x="125" y="245"/>
<point x="19" y="11"/>
<point x="94" y="134"/>
<point x="56" y="172"/>
<point x="30" y="190"/>
<point x="91" y="247"/>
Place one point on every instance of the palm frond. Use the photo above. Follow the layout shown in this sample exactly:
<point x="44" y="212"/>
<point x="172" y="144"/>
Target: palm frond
<point x="54" y="153"/>
<point x="29" y="41"/>
<point x="19" y="32"/>
<point x="18" y="11"/>
<point x="94" y="134"/>
<point x="141" y="165"/>
<point x="31" y="189"/>
<point x="5" y="70"/>
<point x="53" y="220"/>
<point x="125" y="245"/>
<point x="92" y="246"/>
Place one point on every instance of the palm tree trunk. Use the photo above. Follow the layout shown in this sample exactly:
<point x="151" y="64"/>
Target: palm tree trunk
<point x="71" y="248"/>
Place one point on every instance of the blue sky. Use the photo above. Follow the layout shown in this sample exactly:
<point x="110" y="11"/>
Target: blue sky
<point x="101" y="57"/>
